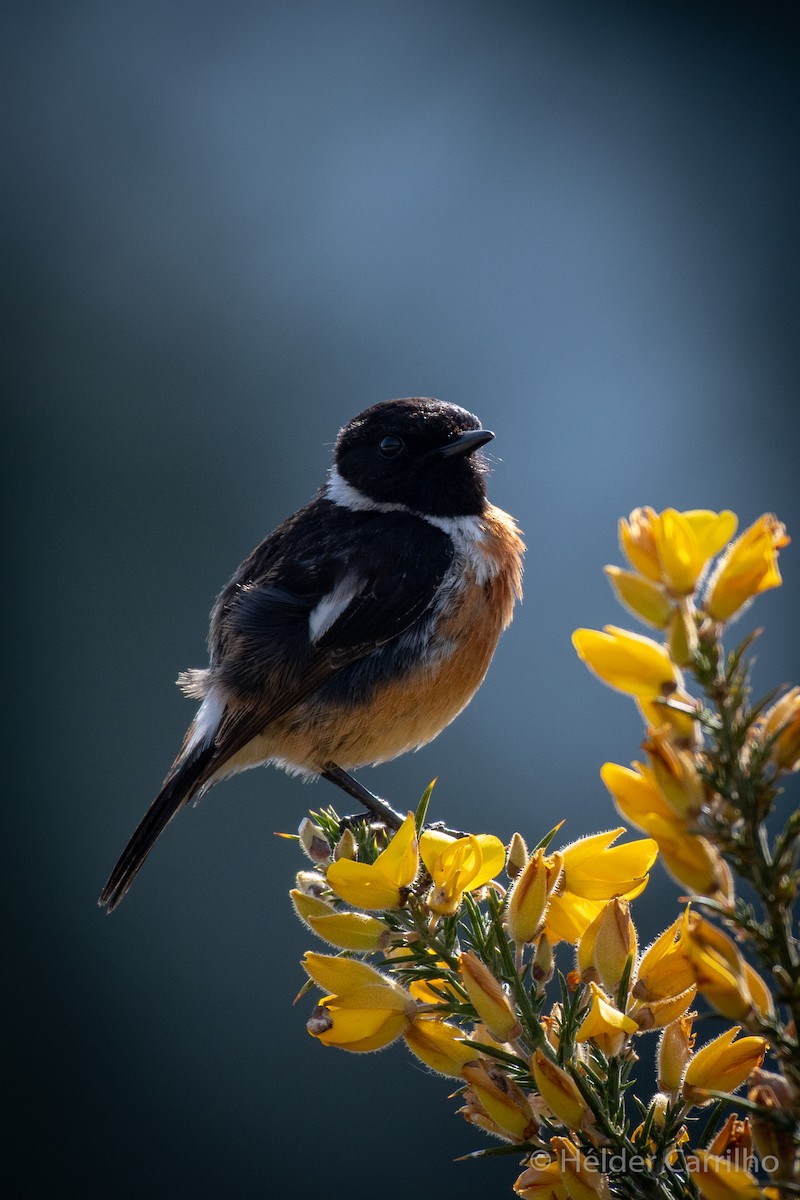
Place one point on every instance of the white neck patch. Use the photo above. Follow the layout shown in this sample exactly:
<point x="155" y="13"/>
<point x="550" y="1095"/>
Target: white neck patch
<point x="345" y="495"/>
<point x="468" y="533"/>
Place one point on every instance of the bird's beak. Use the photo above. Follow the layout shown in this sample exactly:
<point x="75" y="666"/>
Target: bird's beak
<point x="464" y="444"/>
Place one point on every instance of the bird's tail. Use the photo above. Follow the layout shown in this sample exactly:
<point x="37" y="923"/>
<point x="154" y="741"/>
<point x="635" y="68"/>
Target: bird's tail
<point x="185" y="779"/>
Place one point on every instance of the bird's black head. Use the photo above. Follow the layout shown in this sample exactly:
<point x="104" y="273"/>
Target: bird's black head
<point x="416" y="452"/>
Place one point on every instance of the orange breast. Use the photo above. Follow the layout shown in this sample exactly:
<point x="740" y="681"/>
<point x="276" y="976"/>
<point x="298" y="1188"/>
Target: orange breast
<point x="409" y="712"/>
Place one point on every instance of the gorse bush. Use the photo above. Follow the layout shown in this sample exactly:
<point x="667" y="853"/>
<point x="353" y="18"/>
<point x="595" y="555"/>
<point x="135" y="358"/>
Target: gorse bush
<point x="453" y="943"/>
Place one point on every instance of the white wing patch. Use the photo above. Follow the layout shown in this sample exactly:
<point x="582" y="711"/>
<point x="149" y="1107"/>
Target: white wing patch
<point x="331" y="607"/>
<point x="206" y="721"/>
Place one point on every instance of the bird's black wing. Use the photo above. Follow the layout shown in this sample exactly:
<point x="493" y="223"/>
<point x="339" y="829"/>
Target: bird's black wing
<point x="326" y="589"/>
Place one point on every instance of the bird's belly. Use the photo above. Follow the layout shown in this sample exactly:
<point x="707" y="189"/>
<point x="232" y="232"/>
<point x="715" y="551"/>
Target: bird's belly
<point x="401" y="713"/>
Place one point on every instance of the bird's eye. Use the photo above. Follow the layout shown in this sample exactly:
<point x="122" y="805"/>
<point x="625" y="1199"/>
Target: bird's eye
<point x="390" y="446"/>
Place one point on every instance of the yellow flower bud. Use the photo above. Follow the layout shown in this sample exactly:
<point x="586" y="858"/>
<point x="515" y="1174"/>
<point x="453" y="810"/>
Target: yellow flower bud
<point x="582" y="1180"/>
<point x="682" y="636"/>
<point x="675" y="1053"/>
<point x="313" y="841"/>
<point x="782" y="723"/>
<point x="488" y="998"/>
<point x="722" y="1065"/>
<point x="310" y="883"/>
<point x="543" y="961"/>
<point x="559" y="1091"/>
<point x="608" y="944"/>
<point x="347" y="930"/>
<point x="441" y="1046"/>
<point x="517" y="856"/>
<point x="530" y="894"/>
<point x="507" y="1106"/>
<point x="346" y="847"/>
<point x="760" y="994"/>
<point x="749" y="566"/>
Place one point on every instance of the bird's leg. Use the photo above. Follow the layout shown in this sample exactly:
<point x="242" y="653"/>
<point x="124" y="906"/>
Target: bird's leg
<point x="373" y="804"/>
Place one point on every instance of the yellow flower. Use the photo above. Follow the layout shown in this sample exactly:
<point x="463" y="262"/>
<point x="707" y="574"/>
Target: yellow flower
<point x="366" y="1010"/>
<point x="581" y="1179"/>
<point x="488" y="998"/>
<point x="686" y="541"/>
<point x="645" y="599"/>
<point x="733" y="1140"/>
<point x="593" y="873"/>
<point x="655" y="1014"/>
<point x="559" y="1091"/>
<point x="608" y="944"/>
<point x="675" y="1053"/>
<point x="663" y="970"/>
<point x="628" y="662"/>
<point x="347" y="930"/>
<point x="493" y="1094"/>
<point x="782" y="723"/>
<point x="458" y="865"/>
<point x="679" y="714"/>
<point x="604" y="1024"/>
<point x="636" y="793"/>
<point x="675" y="773"/>
<point x="673" y="547"/>
<point x="379" y="885"/>
<point x="638" y="542"/>
<point x="595" y="869"/>
<point x="530" y="895"/>
<point x="749" y="566"/>
<point x="541" y="1182"/>
<point x="720" y="1179"/>
<point x="773" y="1094"/>
<point x="691" y="859"/>
<point x="440" y="1046"/>
<point x="722" y="1065"/>
<point x="719" y="969"/>
<point x="760" y="994"/>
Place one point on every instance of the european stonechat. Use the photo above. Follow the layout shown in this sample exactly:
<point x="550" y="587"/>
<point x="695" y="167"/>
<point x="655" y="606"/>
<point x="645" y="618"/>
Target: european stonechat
<point x="361" y="626"/>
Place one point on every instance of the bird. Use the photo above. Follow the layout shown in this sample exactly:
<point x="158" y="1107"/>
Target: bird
<point x="360" y="627"/>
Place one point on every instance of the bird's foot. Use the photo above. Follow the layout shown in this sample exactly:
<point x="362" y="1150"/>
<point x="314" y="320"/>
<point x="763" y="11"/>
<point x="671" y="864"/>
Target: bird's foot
<point x="376" y="809"/>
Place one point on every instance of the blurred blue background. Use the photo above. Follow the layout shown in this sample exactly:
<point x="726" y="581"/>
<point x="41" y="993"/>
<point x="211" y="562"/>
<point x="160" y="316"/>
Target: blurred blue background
<point x="229" y="228"/>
